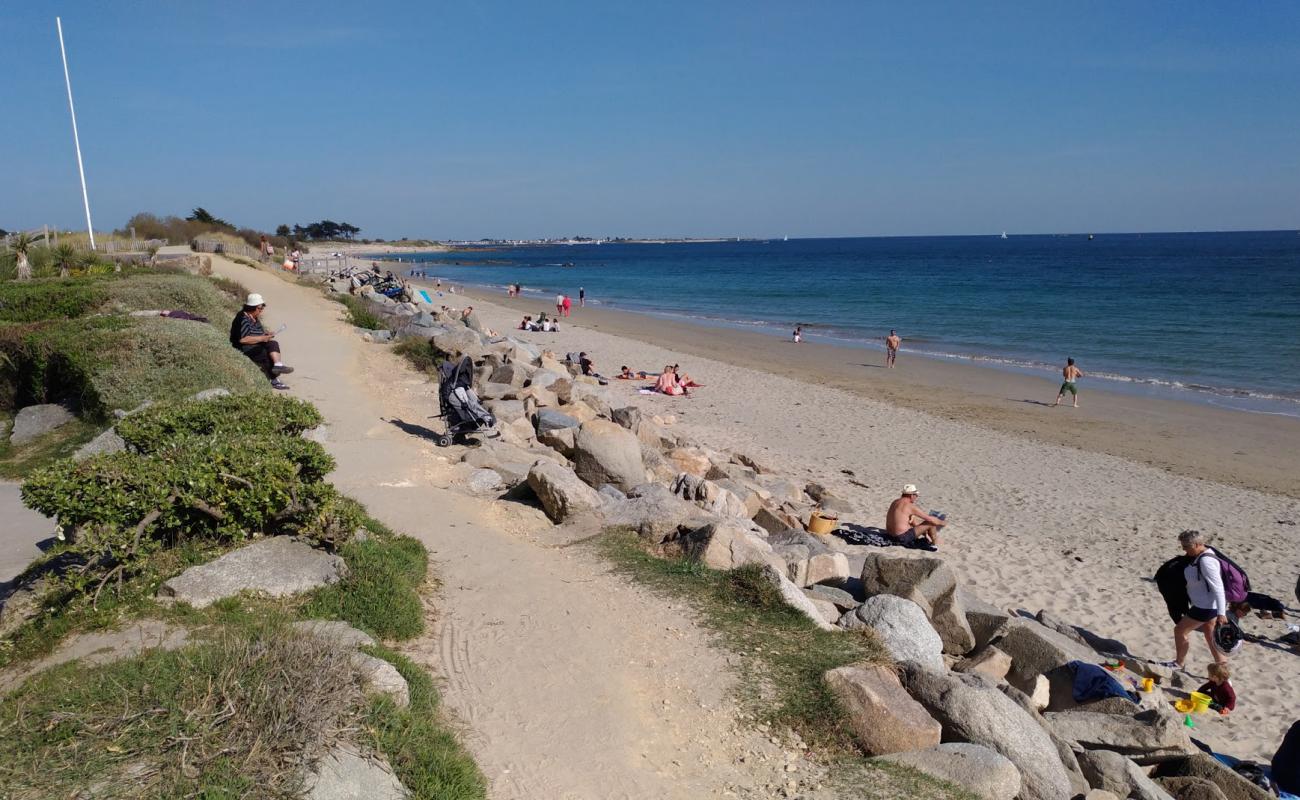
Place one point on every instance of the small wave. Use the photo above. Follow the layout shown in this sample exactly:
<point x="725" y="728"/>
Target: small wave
<point x="829" y="334"/>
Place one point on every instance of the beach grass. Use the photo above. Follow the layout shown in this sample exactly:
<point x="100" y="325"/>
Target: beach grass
<point x="417" y="741"/>
<point x="135" y="720"/>
<point x="62" y="442"/>
<point x="785" y="655"/>
<point x="381" y="593"/>
<point x="359" y="314"/>
<point x="419" y="354"/>
<point x="224" y="718"/>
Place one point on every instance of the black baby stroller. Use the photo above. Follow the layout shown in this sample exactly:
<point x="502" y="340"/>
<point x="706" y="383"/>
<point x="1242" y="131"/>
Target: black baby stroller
<point x="458" y="403"/>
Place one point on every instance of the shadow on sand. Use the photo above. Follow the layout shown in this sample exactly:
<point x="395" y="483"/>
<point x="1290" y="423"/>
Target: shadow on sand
<point x="415" y="430"/>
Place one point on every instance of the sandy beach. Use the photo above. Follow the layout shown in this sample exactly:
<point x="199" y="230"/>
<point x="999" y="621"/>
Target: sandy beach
<point x="1059" y="509"/>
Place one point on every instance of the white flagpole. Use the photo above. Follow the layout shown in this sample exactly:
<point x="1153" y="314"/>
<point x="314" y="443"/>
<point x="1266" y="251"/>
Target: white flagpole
<point x="85" y="198"/>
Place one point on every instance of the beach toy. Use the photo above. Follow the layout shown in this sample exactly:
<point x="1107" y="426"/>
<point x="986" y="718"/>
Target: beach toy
<point x="1200" y="702"/>
<point x="1183" y="706"/>
<point x="1148" y="684"/>
<point x="1187" y="721"/>
<point x="1114" y="666"/>
<point x="822" y="522"/>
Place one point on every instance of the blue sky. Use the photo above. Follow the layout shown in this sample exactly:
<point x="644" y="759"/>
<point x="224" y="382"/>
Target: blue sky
<point x="476" y="119"/>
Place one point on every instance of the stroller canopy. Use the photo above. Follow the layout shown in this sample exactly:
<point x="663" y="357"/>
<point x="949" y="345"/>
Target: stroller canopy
<point x="454" y="375"/>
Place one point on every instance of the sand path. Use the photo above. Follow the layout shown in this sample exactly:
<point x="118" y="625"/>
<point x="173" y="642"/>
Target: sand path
<point x="571" y="683"/>
<point x="20" y="536"/>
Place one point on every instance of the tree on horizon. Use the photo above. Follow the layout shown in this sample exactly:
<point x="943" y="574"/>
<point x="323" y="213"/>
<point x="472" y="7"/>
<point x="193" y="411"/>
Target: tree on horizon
<point x="201" y="214"/>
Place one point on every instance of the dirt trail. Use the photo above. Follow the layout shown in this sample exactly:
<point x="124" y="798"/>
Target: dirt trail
<point x="571" y="682"/>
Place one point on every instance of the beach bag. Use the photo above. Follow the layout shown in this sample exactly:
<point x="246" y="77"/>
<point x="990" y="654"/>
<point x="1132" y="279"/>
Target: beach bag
<point x="1235" y="581"/>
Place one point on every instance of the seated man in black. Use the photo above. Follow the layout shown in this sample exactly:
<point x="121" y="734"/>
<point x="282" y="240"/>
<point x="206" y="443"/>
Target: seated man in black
<point x="249" y="337"/>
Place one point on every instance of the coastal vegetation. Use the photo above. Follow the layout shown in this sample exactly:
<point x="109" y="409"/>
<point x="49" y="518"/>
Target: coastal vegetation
<point x="75" y="341"/>
<point x="359" y="313"/>
<point x="249" y="701"/>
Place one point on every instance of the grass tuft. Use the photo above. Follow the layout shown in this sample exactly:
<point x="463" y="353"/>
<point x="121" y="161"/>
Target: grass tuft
<point x="359" y="313"/>
<point x="417" y="741"/>
<point x="419" y="354"/>
<point x="381" y="594"/>
<point x="786" y="654"/>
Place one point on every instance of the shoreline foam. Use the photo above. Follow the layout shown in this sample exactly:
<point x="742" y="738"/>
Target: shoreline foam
<point x="1243" y="400"/>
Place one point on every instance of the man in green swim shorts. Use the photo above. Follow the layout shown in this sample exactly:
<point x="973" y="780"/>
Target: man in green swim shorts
<point x="1071" y="373"/>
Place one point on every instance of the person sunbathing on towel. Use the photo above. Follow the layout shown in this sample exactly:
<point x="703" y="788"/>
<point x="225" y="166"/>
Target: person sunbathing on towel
<point x="684" y="379"/>
<point x="626" y="374"/>
<point x="908" y="525"/>
<point x="668" y="384"/>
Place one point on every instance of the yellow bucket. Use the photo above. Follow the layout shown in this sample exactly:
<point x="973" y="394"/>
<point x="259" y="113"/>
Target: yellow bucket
<point x="1200" y="702"/>
<point x="1183" y="706"/>
<point x="822" y="522"/>
<point x="1148" y="684"/>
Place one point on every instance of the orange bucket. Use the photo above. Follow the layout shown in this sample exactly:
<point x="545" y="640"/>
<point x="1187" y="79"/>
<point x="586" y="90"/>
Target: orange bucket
<point x="822" y="522"/>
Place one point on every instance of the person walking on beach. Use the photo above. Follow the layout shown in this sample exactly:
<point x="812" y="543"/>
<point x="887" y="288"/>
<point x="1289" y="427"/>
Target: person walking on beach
<point x="582" y="297"/>
<point x="568" y="304"/>
<point x="1209" y="605"/>
<point x="1072" y="374"/>
<point x="892" y="341"/>
<point x="798" y="334"/>
<point x="559" y="304"/>
<point x="908" y="525"/>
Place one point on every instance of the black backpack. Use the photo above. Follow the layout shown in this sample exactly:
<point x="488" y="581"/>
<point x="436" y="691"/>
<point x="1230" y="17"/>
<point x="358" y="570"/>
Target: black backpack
<point x="1173" y="586"/>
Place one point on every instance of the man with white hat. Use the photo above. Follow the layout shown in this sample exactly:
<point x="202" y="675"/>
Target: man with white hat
<point x="907" y="524"/>
<point x="249" y="337"/>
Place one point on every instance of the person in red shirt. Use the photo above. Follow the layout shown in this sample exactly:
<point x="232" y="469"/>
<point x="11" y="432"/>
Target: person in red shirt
<point x="1223" y="698"/>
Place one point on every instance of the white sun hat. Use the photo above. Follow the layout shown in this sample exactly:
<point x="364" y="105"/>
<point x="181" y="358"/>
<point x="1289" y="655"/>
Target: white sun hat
<point x="910" y="489"/>
<point x="254" y="299"/>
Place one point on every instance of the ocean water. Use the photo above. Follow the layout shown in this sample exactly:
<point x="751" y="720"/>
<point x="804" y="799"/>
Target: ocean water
<point x="1212" y="317"/>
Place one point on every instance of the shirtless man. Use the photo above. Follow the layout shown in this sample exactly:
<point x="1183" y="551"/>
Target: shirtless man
<point x="1071" y="373"/>
<point x="892" y="341"/>
<point x="906" y="523"/>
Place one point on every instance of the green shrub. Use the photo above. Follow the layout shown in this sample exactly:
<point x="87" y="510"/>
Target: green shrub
<point x="53" y="300"/>
<point x="122" y="507"/>
<point x="231" y="417"/>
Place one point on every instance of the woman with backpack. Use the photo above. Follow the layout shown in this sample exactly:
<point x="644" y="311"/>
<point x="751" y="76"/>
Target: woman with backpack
<point x="1205" y="592"/>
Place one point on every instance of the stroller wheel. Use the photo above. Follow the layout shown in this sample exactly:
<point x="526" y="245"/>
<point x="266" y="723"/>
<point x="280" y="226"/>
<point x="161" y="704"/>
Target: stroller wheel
<point x="444" y="440"/>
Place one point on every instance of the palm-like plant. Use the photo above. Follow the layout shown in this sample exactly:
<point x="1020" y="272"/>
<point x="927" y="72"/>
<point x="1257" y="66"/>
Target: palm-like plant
<point x="66" y="257"/>
<point x="21" y="243"/>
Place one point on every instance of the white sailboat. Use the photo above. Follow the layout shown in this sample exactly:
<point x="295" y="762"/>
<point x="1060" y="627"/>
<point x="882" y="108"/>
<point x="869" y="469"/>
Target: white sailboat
<point x="786" y="239"/>
<point x="1004" y="234"/>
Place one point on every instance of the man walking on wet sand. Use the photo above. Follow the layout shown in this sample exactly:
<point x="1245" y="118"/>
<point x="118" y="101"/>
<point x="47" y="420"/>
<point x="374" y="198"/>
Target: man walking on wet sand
<point x="1072" y="374"/>
<point x="892" y="341"/>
